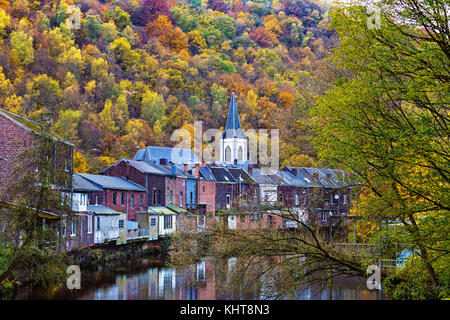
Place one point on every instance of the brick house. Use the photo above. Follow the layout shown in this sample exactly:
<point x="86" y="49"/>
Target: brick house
<point x="226" y="188"/>
<point x="117" y="193"/>
<point x="206" y="190"/>
<point x="17" y="134"/>
<point x="158" y="181"/>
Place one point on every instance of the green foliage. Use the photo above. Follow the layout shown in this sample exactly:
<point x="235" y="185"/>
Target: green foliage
<point x="22" y="47"/>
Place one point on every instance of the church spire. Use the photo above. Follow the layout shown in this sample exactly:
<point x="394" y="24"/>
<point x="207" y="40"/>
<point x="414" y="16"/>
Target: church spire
<point x="233" y="126"/>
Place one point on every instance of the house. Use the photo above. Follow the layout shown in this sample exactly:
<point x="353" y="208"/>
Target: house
<point x="191" y="188"/>
<point x="18" y="134"/>
<point x="149" y="223"/>
<point x="159" y="181"/>
<point x="267" y="187"/>
<point x="78" y="229"/>
<point x="117" y="193"/>
<point x="247" y="188"/>
<point x="107" y="223"/>
<point x="167" y="220"/>
<point x="206" y="190"/>
<point x="226" y="188"/>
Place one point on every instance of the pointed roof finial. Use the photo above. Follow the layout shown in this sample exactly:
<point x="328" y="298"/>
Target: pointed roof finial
<point x="233" y="125"/>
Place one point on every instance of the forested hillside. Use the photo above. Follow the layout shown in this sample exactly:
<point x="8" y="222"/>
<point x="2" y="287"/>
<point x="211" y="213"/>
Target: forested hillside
<point x="135" y="70"/>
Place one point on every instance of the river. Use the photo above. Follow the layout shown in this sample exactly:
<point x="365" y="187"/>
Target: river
<point x="148" y="279"/>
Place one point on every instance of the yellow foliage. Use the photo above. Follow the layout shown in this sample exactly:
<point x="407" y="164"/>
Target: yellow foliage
<point x="80" y="164"/>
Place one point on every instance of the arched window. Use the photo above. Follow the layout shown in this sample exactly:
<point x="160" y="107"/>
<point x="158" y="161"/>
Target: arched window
<point x="240" y="154"/>
<point x="227" y="154"/>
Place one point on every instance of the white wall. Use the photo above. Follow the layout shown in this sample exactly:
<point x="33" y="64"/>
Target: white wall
<point x="163" y="232"/>
<point x="79" y="201"/>
<point x="109" y="228"/>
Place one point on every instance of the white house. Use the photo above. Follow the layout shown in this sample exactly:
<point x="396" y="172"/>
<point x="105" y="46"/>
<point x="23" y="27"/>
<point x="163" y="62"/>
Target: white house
<point x="106" y="223"/>
<point x="167" y="221"/>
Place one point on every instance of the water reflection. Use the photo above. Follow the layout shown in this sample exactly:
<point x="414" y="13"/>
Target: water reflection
<point x="203" y="281"/>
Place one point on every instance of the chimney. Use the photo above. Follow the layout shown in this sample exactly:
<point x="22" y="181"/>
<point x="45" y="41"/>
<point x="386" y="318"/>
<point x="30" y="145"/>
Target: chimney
<point x="250" y="168"/>
<point x="174" y="169"/>
<point x="185" y="167"/>
<point x="197" y="170"/>
<point x="203" y="164"/>
<point x="163" y="161"/>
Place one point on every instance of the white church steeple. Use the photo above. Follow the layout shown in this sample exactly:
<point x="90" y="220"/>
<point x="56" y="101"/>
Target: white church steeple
<point x="233" y="143"/>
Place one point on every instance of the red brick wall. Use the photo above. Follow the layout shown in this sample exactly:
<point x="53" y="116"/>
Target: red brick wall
<point x="106" y="198"/>
<point x="208" y="196"/>
<point x="13" y="139"/>
<point x="180" y="187"/>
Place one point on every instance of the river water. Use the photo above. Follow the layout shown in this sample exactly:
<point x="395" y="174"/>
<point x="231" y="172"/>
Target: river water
<point x="148" y="279"/>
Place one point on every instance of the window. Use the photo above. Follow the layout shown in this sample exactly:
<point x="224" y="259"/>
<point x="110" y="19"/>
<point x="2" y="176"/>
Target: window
<point x="203" y="188"/>
<point x="304" y="200"/>
<point x="114" y="198"/>
<point x="252" y="217"/>
<point x="170" y="197"/>
<point x="98" y="223"/>
<point x="154" y="197"/>
<point x="81" y="225"/>
<point x="240" y="154"/>
<point x="168" y="222"/>
<point x="242" y="218"/>
<point x="121" y="224"/>
<point x="90" y="222"/>
<point x="192" y="198"/>
<point x="228" y="199"/>
<point x="227" y="154"/>
<point x="345" y="199"/>
<point x="96" y="200"/>
<point x="297" y="199"/>
<point x="132" y="201"/>
<point x="122" y="198"/>
<point x="73" y="228"/>
<point x="141" y="201"/>
<point x="181" y="199"/>
<point x="324" y="216"/>
<point x="256" y="217"/>
<point x="153" y="222"/>
<point x="281" y="197"/>
<point x="331" y="199"/>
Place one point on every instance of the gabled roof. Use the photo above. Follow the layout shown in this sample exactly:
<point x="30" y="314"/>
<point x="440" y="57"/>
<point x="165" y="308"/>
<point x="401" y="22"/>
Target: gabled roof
<point x="30" y="126"/>
<point x="233" y="126"/>
<point x="321" y="177"/>
<point x="304" y="178"/>
<point x="240" y="175"/>
<point x="81" y="184"/>
<point x="206" y="173"/>
<point x="142" y="166"/>
<point x="175" y="155"/>
<point x="222" y="175"/>
<point x="262" y="178"/>
<point x="108" y="182"/>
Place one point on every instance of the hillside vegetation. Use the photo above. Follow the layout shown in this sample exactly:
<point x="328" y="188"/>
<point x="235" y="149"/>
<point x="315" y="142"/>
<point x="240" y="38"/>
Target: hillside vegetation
<point x="132" y="71"/>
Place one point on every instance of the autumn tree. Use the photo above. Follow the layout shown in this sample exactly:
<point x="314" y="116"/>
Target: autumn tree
<point x="387" y="120"/>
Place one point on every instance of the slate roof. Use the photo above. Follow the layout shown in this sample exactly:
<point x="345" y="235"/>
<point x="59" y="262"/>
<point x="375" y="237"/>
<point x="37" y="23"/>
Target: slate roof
<point x="81" y="184"/>
<point x="99" y="209"/>
<point x="305" y="178"/>
<point x="222" y="175"/>
<point x="108" y="182"/>
<point x="246" y="178"/>
<point x="233" y="126"/>
<point x="206" y="173"/>
<point x="175" y="155"/>
<point x="261" y="178"/>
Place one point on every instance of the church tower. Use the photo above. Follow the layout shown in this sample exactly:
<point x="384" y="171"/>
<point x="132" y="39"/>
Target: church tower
<point x="233" y="143"/>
